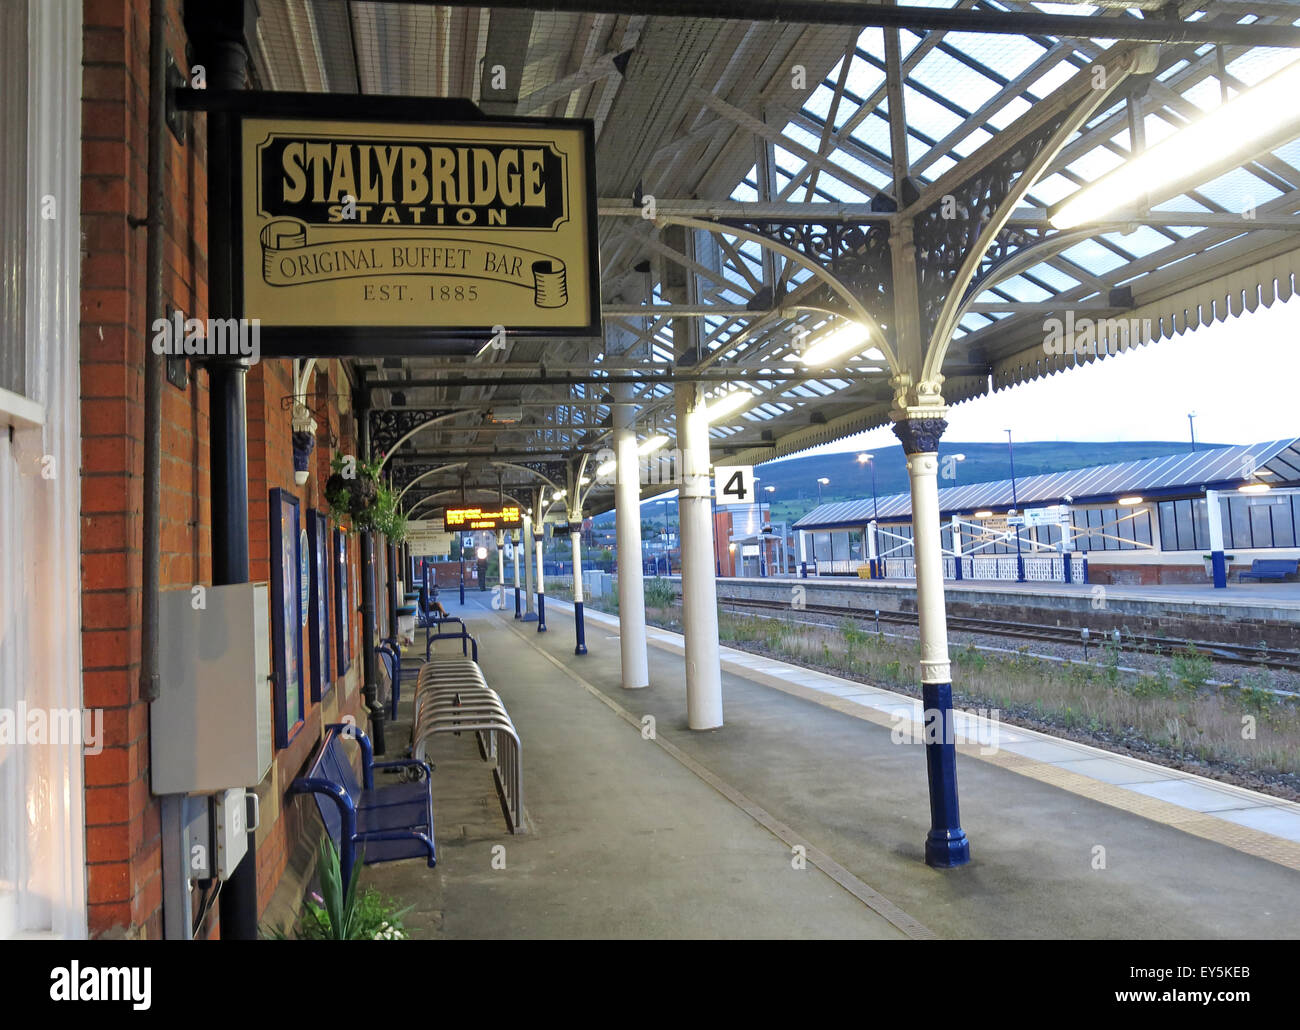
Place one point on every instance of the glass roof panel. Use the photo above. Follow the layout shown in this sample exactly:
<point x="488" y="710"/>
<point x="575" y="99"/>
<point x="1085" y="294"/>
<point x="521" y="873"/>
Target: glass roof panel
<point x="947" y="76"/>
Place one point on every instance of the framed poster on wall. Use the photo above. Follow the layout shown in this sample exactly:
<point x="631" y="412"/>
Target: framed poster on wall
<point x="287" y="615"/>
<point x="319" y="604"/>
<point x="342" y="600"/>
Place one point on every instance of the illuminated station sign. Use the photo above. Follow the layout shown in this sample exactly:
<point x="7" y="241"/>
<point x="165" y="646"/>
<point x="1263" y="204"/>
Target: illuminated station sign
<point x="507" y="516"/>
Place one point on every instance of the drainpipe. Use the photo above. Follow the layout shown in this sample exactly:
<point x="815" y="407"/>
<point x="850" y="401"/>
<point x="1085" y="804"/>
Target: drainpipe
<point x="370" y="685"/>
<point x="219" y="34"/>
<point x="177" y="910"/>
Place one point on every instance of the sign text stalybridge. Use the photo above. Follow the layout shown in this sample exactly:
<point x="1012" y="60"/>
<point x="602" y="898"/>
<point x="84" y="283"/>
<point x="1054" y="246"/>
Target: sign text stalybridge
<point x="403" y="234"/>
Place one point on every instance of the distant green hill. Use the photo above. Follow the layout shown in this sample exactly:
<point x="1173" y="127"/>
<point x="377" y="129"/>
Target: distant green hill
<point x="795" y="479"/>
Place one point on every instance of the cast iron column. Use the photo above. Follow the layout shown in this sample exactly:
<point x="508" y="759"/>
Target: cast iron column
<point x="946" y="845"/>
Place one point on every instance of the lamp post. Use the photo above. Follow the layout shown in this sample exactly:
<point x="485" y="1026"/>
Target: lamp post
<point x="1191" y="425"/>
<point x="1015" y="506"/>
<point x="823" y="481"/>
<point x="872" y="562"/>
<point x="956" y="458"/>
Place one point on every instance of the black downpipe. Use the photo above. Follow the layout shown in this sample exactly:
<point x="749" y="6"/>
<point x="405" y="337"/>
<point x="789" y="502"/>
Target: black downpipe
<point x="151" y="502"/>
<point x="218" y="34"/>
<point x="369" y="663"/>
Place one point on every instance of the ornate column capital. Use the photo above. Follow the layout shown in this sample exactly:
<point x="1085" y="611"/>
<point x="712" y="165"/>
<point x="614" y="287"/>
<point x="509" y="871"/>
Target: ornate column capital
<point x="920" y="432"/>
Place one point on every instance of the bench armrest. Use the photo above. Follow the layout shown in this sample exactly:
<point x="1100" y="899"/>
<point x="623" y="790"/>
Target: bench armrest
<point x="398" y="763"/>
<point x="367" y="751"/>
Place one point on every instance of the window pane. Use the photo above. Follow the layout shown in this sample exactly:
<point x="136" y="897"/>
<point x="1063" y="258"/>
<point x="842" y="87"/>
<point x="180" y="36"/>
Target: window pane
<point x="1142" y="528"/>
<point x="1201" y="523"/>
<point x="1240" y="522"/>
<point x="1183" y="517"/>
<point x="1261" y="523"/>
<point x="1283" y="528"/>
<point x="1168" y="530"/>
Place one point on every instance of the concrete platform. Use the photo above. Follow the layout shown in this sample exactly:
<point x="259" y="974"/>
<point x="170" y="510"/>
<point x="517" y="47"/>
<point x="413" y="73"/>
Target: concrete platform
<point x="698" y="834"/>
<point x="1241" y="614"/>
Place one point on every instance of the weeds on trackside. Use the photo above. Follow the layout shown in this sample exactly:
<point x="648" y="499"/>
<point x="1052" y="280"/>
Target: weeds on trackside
<point x="1169" y="708"/>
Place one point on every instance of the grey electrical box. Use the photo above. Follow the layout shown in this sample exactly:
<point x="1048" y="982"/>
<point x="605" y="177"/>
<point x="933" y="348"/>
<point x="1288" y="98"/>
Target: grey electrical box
<point x="210" y="729"/>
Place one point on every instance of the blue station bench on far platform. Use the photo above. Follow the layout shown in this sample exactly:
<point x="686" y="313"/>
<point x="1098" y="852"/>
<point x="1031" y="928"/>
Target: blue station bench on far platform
<point x="387" y="824"/>
<point x="1269" y="568"/>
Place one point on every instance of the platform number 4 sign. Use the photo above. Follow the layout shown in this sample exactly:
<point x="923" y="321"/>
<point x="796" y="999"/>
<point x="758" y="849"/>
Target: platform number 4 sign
<point x="734" y="484"/>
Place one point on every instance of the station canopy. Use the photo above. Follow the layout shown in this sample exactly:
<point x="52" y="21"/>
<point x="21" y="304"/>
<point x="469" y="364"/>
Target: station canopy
<point x="780" y="130"/>
<point x="1276" y="463"/>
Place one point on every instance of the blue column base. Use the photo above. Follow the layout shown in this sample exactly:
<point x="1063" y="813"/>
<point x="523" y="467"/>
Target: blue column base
<point x="956" y="566"/>
<point x="518" y="614"/>
<point x="1219" y="567"/>
<point x="1069" y="575"/>
<point x="541" y="612"/>
<point x="579" y="629"/>
<point x="946" y="850"/>
<point x="529" y="617"/>
<point x="946" y="845"/>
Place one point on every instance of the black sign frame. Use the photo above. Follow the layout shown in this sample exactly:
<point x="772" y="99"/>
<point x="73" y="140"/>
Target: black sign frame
<point x="376" y="341"/>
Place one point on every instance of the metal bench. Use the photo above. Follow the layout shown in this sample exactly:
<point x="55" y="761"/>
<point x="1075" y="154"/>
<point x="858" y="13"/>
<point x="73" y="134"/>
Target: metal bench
<point x="391" y="652"/>
<point x="451" y="696"/>
<point x="388" y="825"/>
<point x="1270" y="568"/>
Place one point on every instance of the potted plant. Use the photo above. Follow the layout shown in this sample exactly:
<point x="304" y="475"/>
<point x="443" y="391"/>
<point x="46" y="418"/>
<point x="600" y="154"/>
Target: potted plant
<point x="360" y="500"/>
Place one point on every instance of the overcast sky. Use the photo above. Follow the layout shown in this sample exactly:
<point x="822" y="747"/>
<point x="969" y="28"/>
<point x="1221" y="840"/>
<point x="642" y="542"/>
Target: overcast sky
<point x="1240" y="377"/>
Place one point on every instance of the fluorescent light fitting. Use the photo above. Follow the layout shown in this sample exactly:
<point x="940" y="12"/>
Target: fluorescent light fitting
<point x="729" y="404"/>
<point x="848" y="339"/>
<point x="1232" y="128"/>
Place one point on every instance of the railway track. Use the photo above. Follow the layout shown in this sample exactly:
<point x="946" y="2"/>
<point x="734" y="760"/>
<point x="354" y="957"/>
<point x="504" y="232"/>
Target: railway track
<point x="1235" y="654"/>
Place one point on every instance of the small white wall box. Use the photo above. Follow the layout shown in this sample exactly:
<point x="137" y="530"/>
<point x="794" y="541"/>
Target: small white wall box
<point x="210" y="729"/>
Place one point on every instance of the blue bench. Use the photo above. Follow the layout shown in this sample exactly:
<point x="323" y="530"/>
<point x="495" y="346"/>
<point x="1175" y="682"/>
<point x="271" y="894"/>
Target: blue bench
<point x="388" y="825"/>
<point x="391" y="652"/>
<point x="1269" y="568"/>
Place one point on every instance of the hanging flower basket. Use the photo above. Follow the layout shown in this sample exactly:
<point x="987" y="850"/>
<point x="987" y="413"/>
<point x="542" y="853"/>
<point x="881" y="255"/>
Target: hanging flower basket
<point x="359" y="500"/>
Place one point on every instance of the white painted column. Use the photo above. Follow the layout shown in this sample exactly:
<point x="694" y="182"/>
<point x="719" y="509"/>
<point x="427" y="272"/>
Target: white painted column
<point x="539" y="534"/>
<point x="579" y="619"/>
<point x="515" y="537"/>
<point x="1067" y="546"/>
<point x="699" y="586"/>
<point x="1214" y="518"/>
<point x="631" y="571"/>
<point x="525" y="545"/>
<point x="956" y="546"/>
<point x="877" y="568"/>
<point x="946" y="844"/>
<point x="921" y="470"/>
<point x="501" y="570"/>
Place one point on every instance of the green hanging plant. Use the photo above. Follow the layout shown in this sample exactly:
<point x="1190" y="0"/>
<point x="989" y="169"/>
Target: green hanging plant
<point x="360" y="500"/>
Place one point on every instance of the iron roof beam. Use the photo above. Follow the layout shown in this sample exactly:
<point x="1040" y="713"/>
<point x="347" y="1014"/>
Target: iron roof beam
<point x="924" y="19"/>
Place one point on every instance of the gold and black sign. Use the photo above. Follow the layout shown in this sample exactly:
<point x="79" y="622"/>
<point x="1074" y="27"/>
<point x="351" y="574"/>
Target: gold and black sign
<point x="390" y="236"/>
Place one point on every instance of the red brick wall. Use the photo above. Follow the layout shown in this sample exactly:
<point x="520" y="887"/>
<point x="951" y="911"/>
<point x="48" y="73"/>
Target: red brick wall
<point x="122" y="818"/>
<point x="122" y="829"/>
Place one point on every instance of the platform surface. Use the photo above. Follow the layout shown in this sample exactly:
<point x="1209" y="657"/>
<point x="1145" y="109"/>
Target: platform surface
<point x="698" y="834"/>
